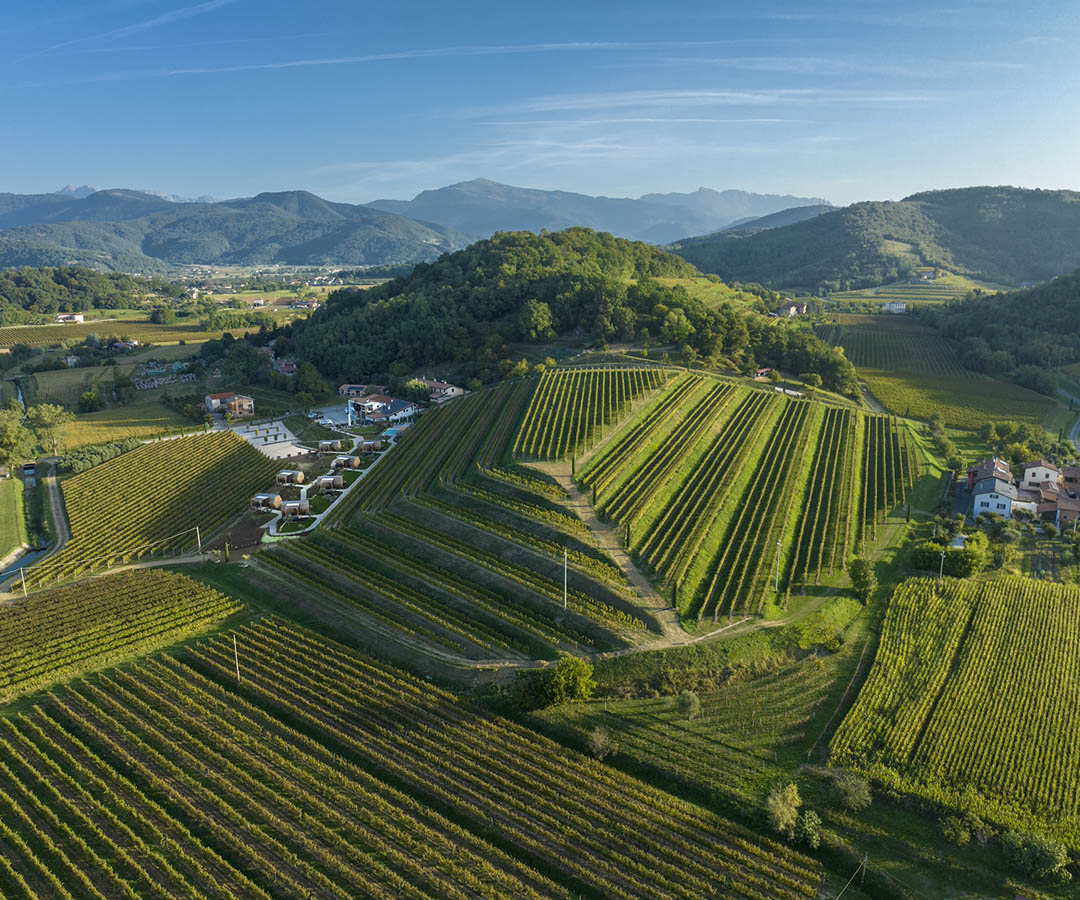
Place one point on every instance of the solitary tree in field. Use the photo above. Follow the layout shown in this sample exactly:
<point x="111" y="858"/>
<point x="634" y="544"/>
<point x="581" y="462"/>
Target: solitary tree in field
<point x="689" y="704"/>
<point x="863" y="579"/>
<point x="47" y="420"/>
<point x="782" y="808"/>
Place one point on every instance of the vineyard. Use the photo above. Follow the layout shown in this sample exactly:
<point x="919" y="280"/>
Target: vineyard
<point x="941" y="289"/>
<point x="450" y="546"/>
<point x="970" y="701"/>
<point x="889" y="469"/>
<point x="66" y="631"/>
<point x="155" y="494"/>
<point x="897" y="344"/>
<point x="144" y="331"/>
<point x="734" y="497"/>
<point x="915" y="372"/>
<point x="571" y="407"/>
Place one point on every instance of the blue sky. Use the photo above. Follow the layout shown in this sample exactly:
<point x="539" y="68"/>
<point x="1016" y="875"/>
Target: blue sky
<point x="356" y="100"/>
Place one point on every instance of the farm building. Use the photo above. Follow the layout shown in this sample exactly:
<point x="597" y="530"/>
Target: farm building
<point x="441" y="391"/>
<point x="989" y="468"/>
<point x="68" y="318"/>
<point x="230" y="402"/>
<point x="345" y="462"/>
<point x="791" y="309"/>
<point x="266" y="501"/>
<point x="395" y="411"/>
<point x="296" y="508"/>
<point x="1041" y="473"/>
<point x="763" y="372"/>
<point x="290" y="476"/>
<point x="125" y="345"/>
<point x="330" y="482"/>
<point x="351" y="390"/>
<point x="896" y="306"/>
<point x="332" y="446"/>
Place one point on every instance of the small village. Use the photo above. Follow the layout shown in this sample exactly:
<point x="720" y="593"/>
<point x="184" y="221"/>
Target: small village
<point x="1044" y="492"/>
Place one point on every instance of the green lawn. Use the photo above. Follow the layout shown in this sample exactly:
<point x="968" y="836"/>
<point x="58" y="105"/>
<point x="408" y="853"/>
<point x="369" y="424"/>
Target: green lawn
<point x="12" y="518"/>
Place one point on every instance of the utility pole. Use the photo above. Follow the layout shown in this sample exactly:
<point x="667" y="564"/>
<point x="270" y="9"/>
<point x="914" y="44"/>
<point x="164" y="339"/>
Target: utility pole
<point x="198" y="539"/>
<point x="564" y="579"/>
<point x="236" y="658"/>
<point x="22" y="572"/>
<point x="941" y="569"/>
<point x="777" y="585"/>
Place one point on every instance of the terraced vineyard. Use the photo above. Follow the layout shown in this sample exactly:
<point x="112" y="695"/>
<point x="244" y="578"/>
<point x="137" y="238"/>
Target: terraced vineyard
<point x="571" y="407"/>
<point x="597" y="831"/>
<point x="156" y="494"/>
<point x="449" y="545"/>
<point x="66" y="631"/>
<point x="971" y="702"/>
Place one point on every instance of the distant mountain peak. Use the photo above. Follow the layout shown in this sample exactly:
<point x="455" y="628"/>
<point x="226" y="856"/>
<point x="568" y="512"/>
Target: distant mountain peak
<point x="76" y="191"/>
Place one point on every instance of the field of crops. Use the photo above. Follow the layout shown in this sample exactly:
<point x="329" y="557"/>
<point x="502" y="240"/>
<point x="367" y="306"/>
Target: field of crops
<point x="145" y="332"/>
<point x="971" y="701"/>
<point x="152" y="494"/>
<point x="914" y="372"/>
<point x="571" y="407"/>
<point x="59" y="633"/>
<point x="118" y="423"/>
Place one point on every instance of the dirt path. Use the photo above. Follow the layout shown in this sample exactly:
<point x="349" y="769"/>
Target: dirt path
<point x="649" y="599"/>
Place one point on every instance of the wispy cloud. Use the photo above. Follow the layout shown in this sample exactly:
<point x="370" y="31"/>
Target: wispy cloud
<point x="130" y="48"/>
<point x="459" y="51"/>
<point x="165" y="18"/>
<point x="708" y="97"/>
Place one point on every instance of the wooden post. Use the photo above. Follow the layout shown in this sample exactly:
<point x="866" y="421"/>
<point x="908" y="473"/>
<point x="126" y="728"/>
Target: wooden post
<point x="198" y="539"/>
<point x="236" y="658"/>
<point x="22" y="572"/>
<point x="564" y="579"/>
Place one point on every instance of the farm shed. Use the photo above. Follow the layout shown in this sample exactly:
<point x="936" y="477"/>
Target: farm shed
<point x="266" y="501"/>
<point x="333" y="446"/>
<point x="290" y="476"/>
<point x="345" y="462"/>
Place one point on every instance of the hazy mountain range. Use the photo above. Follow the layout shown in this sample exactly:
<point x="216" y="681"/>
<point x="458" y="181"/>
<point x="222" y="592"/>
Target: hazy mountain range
<point x="138" y="232"/>
<point x="144" y="231"/>
<point x="483" y="207"/>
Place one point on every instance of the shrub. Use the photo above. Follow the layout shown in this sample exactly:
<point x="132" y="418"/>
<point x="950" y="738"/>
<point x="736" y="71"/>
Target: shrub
<point x="854" y="791"/>
<point x="1035" y="856"/>
<point x="600" y="743"/>
<point x="689" y="704"/>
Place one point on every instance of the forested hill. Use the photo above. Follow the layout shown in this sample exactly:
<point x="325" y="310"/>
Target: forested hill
<point x="467" y="307"/>
<point x="1039" y="326"/>
<point x="28" y="294"/>
<point x="133" y="232"/>
<point x="999" y="234"/>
